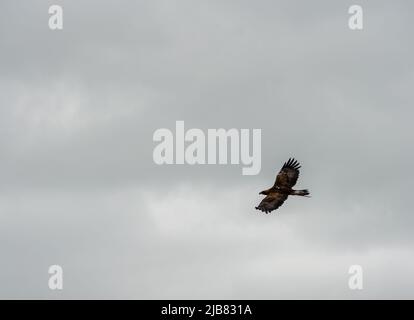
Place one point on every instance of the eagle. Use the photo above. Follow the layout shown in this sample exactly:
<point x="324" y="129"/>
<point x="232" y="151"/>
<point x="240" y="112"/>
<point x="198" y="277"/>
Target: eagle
<point x="285" y="180"/>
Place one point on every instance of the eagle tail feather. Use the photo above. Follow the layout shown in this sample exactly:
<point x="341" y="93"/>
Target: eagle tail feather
<point x="302" y="193"/>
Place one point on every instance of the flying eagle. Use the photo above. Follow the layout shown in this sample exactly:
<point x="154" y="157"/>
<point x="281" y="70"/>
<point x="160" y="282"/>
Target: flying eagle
<point x="285" y="180"/>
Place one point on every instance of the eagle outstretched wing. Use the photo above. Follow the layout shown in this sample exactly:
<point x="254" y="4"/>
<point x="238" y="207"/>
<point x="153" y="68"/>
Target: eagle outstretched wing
<point x="288" y="175"/>
<point x="272" y="201"/>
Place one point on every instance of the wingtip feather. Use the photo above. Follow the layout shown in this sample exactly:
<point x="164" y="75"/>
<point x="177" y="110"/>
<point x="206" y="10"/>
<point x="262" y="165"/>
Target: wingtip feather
<point x="292" y="163"/>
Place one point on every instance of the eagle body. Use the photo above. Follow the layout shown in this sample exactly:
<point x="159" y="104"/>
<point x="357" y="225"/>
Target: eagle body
<point x="282" y="188"/>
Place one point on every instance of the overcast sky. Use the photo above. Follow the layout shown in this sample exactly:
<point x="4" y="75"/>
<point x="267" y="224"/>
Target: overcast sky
<point x="79" y="188"/>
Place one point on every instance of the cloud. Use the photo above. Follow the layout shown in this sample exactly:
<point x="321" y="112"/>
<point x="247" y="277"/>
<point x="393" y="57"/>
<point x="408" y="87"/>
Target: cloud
<point x="78" y="185"/>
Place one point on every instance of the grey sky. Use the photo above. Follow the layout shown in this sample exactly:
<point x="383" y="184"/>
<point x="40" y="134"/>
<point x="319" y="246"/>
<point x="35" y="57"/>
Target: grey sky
<point x="79" y="188"/>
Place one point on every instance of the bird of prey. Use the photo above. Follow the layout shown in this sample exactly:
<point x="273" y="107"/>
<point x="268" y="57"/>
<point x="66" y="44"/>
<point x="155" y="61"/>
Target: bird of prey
<point x="285" y="180"/>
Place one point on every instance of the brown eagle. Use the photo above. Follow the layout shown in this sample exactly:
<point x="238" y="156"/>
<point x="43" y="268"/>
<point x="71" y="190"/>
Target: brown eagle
<point x="285" y="180"/>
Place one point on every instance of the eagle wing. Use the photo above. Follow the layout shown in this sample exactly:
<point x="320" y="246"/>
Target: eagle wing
<point x="272" y="201"/>
<point x="288" y="175"/>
